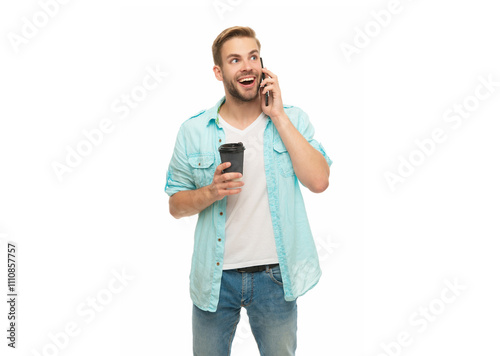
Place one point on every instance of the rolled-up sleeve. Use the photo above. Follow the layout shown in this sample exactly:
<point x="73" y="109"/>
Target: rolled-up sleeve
<point x="179" y="176"/>
<point x="307" y="130"/>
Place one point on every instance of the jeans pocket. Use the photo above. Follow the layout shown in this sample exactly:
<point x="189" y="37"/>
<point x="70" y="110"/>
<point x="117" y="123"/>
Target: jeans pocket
<point x="275" y="275"/>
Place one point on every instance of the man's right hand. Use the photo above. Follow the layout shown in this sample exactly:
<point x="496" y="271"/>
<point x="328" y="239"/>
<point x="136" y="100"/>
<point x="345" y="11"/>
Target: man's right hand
<point x="190" y="202"/>
<point x="222" y="181"/>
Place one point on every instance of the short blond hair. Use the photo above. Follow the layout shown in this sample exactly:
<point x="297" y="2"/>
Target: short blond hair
<point x="228" y="33"/>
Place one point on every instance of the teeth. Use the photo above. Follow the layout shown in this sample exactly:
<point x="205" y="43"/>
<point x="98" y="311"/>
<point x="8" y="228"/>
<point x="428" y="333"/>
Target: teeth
<point x="246" y="80"/>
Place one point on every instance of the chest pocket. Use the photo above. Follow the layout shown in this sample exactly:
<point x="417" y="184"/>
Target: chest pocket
<point x="283" y="158"/>
<point x="203" y="168"/>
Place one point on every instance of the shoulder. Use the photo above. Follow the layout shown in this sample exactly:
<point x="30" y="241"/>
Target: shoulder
<point x="196" y="118"/>
<point x="294" y="110"/>
<point x="296" y="115"/>
<point x="200" y="113"/>
<point x="196" y="122"/>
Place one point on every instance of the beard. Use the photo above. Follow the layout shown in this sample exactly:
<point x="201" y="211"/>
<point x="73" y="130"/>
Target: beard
<point x="235" y="93"/>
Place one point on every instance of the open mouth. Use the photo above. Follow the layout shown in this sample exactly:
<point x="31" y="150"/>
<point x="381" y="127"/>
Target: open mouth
<point x="247" y="82"/>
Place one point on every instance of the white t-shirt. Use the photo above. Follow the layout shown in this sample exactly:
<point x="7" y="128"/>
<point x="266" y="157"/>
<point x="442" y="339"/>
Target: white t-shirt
<point x="249" y="230"/>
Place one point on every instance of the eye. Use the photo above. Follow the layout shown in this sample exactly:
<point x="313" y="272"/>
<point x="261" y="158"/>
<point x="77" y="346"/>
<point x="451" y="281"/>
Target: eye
<point x="234" y="60"/>
<point x="254" y="56"/>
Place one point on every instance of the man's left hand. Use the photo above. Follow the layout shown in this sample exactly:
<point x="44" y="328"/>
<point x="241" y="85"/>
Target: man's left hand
<point x="275" y="107"/>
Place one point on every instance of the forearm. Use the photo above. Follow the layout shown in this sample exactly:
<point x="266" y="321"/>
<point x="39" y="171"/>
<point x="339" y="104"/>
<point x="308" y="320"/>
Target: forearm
<point x="308" y="163"/>
<point x="190" y="202"/>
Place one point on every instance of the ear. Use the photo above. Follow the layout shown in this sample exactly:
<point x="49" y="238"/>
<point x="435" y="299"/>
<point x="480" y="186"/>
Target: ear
<point x="218" y="73"/>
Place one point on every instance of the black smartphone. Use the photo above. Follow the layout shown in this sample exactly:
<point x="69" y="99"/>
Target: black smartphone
<point x="261" y="79"/>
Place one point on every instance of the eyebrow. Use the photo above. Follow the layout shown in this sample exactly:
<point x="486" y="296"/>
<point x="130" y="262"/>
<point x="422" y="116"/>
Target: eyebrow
<point x="237" y="55"/>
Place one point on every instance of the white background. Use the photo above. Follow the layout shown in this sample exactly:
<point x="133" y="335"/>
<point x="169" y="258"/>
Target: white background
<point x="386" y="254"/>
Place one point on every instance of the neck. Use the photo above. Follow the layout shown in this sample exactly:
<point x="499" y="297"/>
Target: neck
<point x="241" y="112"/>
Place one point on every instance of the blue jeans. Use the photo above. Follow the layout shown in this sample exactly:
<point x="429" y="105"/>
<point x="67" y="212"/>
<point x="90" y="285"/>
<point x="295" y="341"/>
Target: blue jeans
<point x="272" y="319"/>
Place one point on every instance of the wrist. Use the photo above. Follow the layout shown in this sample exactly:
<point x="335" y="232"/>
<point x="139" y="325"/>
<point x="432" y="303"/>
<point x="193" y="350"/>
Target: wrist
<point x="209" y="193"/>
<point x="280" y="120"/>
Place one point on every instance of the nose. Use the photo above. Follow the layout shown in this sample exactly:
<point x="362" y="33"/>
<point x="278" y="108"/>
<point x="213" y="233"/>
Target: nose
<point x="246" y="65"/>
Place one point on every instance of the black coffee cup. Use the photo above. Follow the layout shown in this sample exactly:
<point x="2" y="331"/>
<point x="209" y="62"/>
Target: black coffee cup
<point x="232" y="152"/>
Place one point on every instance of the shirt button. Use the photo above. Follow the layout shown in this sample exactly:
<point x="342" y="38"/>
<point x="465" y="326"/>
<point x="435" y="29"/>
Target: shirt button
<point x="199" y="163"/>
<point x="221" y="213"/>
<point x="220" y="140"/>
<point x="219" y="240"/>
<point x="218" y="263"/>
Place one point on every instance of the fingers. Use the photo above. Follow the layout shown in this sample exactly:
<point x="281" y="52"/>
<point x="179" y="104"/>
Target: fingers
<point x="221" y="167"/>
<point x="268" y="81"/>
<point x="270" y="85"/>
<point x="269" y="73"/>
<point x="224" y="192"/>
<point x="233" y="184"/>
<point x="268" y="88"/>
<point x="226" y="176"/>
<point x="223" y="181"/>
<point x="231" y="176"/>
<point x="232" y="191"/>
<point x="224" y="188"/>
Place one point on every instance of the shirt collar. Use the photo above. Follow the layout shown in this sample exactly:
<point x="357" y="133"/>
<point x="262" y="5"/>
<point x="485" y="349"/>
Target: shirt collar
<point x="212" y="113"/>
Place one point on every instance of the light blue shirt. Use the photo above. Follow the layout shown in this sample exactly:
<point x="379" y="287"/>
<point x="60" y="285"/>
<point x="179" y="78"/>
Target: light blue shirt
<point x="193" y="165"/>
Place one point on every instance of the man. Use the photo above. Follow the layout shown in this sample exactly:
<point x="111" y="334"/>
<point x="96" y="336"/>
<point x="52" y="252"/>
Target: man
<point x="253" y="244"/>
